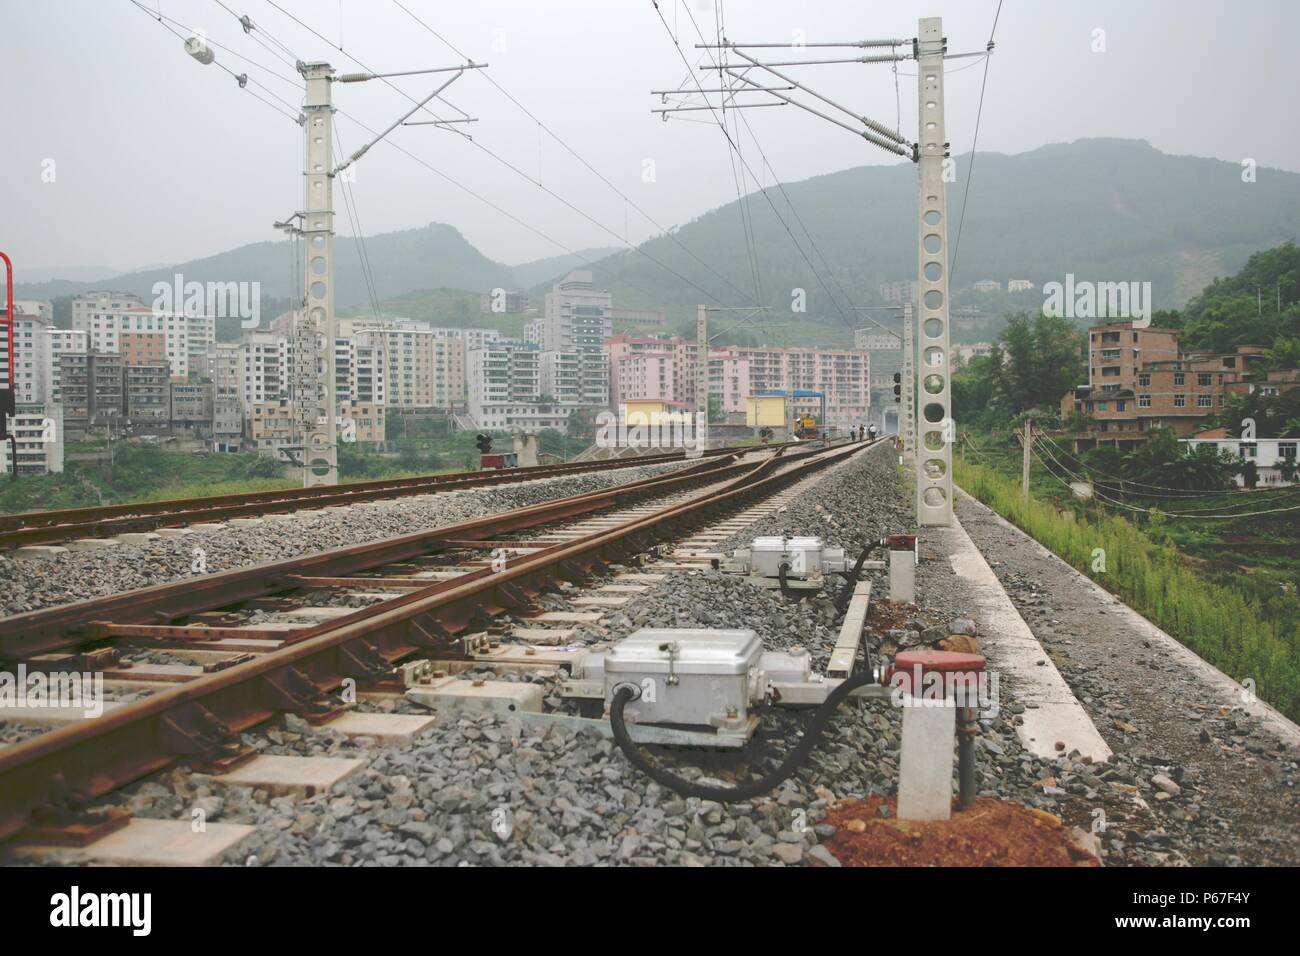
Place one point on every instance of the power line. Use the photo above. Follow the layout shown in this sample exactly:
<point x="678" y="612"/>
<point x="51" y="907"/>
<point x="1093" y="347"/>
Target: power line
<point x="970" y="167"/>
<point x="727" y="134"/>
<point x="166" y="21"/>
<point x="510" y="166"/>
<point x="1140" y="510"/>
<point x="1085" y="466"/>
<point x="461" y="186"/>
<point x="574" y="153"/>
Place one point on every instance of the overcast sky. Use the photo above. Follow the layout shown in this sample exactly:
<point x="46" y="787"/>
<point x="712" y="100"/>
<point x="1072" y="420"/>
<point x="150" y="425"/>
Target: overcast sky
<point x="158" y="159"/>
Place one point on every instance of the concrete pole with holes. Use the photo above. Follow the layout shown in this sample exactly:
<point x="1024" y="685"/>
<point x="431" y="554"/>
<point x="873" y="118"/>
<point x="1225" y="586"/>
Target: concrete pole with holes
<point x="935" y="435"/>
<point x="908" y="396"/>
<point x="315" y="327"/>
<point x="702" y="360"/>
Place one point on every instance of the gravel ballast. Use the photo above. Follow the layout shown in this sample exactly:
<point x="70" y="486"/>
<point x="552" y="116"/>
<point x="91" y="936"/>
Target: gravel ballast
<point x="494" y="790"/>
<point x="78" y="575"/>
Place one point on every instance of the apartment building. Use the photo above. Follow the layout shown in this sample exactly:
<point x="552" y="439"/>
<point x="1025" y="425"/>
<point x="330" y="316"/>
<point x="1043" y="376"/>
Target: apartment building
<point x="60" y="342"/>
<point x="1140" y="379"/>
<point x="192" y="405"/>
<point x="651" y="367"/>
<point x="91" y="389"/>
<point x="86" y="305"/>
<point x="42" y="308"/>
<point x="114" y="330"/>
<point x="505" y="386"/>
<point x="642" y="320"/>
<point x="1118" y="351"/>
<point x="271" y="426"/>
<point x="501" y="302"/>
<point x="871" y="340"/>
<point x="423" y="367"/>
<point x="579" y="378"/>
<point x="729" y="379"/>
<point x="38" y="431"/>
<point x="146" y="394"/>
<point x="899" y="292"/>
<point x="504" y="373"/>
<point x="31" y="357"/>
<point x="142" y="348"/>
<point x="367" y="382"/>
<point x="265" y="369"/>
<point x="577" y="317"/>
<point x="842" y="375"/>
<point x="361" y="422"/>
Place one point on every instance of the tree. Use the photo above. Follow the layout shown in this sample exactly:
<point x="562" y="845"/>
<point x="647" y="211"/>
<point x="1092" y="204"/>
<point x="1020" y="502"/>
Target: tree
<point x="1038" y="360"/>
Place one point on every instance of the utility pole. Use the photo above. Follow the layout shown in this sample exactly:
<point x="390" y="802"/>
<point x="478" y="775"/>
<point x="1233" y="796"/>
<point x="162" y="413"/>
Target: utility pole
<point x="1027" y="438"/>
<point x="8" y="379"/>
<point x="315" y="328"/>
<point x="908" y="424"/>
<point x="702" y="361"/>
<point x="933" y="443"/>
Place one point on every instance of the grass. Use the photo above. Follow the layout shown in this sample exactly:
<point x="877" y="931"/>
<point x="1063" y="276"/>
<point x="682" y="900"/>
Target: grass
<point x="140" y="472"/>
<point x="1228" y="625"/>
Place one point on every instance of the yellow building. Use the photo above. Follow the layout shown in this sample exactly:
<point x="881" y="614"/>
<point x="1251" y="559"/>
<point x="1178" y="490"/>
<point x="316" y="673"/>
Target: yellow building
<point x="654" y="412"/>
<point x="765" y="411"/>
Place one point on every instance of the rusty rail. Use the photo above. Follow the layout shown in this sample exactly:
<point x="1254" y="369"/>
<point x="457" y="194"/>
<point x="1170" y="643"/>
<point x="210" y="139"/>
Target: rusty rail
<point x="200" y="721"/>
<point x="47" y="527"/>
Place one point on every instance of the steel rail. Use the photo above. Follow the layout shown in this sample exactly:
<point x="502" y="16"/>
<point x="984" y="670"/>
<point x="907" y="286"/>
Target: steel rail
<point x="45" y="527"/>
<point x="199" y="722"/>
<point x="43" y="631"/>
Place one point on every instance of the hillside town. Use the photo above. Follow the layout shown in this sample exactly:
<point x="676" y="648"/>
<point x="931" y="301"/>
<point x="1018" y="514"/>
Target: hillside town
<point x="125" y="370"/>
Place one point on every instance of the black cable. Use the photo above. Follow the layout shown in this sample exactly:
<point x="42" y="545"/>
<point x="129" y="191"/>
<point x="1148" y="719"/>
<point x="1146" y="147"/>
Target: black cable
<point x="783" y="576"/>
<point x="813" y="731"/>
<point x="846" y="594"/>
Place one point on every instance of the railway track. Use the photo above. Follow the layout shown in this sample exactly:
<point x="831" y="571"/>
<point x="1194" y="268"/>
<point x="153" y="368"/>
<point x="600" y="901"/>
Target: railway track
<point x="53" y="527"/>
<point x="283" y="637"/>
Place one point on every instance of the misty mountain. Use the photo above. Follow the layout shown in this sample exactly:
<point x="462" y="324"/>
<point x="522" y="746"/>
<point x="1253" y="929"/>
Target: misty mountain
<point x="1102" y="209"/>
<point x="430" y="257"/>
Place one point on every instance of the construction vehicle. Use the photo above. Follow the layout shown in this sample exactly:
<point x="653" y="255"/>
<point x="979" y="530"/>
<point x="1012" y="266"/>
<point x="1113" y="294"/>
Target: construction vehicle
<point x="805" y="426"/>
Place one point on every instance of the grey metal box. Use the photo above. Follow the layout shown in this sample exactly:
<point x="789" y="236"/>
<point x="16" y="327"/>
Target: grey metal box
<point x="687" y="675"/>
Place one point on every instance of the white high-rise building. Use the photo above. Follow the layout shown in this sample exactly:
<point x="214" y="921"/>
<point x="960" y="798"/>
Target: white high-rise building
<point x="579" y="378"/>
<point x="423" y="367"/>
<point x="87" y="304"/>
<point x="61" y="342"/>
<point x="41" y="307"/>
<point x="577" y="317"/>
<point x="142" y="335"/>
<point x="265" y="369"/>
<point x="31" y="358"/>
<point x="38" y="431"/>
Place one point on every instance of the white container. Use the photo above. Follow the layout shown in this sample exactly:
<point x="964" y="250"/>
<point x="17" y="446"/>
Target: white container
<point x="687" y="676"/>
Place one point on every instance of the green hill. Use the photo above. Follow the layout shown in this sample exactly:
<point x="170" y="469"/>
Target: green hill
<point x="1102" y="209"/>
